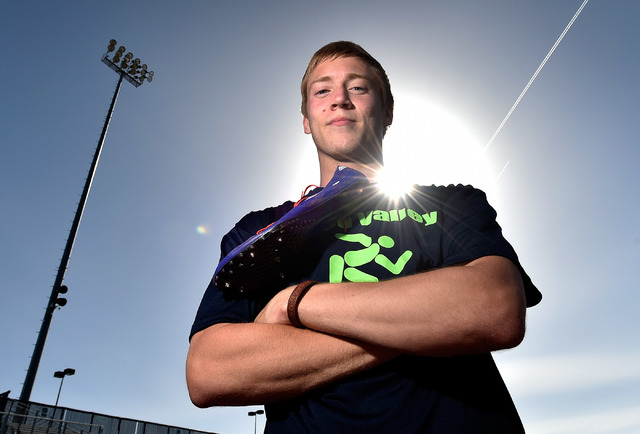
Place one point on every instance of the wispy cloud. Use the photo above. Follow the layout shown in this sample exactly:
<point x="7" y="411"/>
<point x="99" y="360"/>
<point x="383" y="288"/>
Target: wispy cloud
<point x="550" y="379"/>
<point x="566" y="372"/>
<point x="618" y="421"/>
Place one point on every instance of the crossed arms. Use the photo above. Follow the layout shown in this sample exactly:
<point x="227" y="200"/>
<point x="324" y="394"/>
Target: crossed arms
<point x="476" y="307"/>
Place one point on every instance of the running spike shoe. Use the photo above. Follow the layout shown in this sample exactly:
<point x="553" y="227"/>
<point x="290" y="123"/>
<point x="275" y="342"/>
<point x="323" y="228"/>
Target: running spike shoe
<point x="274" y="257"/>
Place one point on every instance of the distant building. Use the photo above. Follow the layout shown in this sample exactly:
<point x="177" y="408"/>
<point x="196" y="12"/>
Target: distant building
<point x="19" y="417"/>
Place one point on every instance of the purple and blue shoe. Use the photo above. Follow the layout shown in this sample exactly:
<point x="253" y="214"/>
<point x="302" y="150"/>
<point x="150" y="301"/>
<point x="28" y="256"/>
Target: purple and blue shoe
<point x="273" y="258"/>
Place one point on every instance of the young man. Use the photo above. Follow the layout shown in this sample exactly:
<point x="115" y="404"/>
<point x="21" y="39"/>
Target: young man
<point x="414" y="293"/>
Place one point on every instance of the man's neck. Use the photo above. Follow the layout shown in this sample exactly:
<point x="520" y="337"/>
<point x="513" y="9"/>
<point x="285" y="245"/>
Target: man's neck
<point x="327" y="171"/>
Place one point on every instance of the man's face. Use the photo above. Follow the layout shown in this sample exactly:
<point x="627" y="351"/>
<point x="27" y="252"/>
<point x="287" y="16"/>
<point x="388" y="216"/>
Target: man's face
<point x="345" y="115"/>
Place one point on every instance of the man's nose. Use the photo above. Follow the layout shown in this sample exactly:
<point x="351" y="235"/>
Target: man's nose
<point x="341" y="98"/>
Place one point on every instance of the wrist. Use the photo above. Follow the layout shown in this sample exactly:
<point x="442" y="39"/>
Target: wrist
<point x="294" y="302"/>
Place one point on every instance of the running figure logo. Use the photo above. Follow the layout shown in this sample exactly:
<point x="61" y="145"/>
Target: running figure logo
<point x="346" y="267"/>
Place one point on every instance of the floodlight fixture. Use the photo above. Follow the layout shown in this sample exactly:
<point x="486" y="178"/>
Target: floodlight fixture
<point x="126" y="65"/>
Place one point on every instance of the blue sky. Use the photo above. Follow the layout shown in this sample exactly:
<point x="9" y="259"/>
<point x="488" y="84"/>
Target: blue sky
<point x="218" y="133"/>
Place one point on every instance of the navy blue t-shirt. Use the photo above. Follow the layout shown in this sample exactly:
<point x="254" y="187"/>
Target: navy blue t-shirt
<point x="378" y="238"/>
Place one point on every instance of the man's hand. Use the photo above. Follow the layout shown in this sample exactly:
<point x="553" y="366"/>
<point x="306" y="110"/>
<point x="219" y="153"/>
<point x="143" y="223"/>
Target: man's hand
<point x="275" y="312"/>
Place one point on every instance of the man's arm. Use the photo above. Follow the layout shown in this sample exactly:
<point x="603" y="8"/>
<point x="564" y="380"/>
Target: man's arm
<point x="474" y="308"/>
<point x="245" y="364"/>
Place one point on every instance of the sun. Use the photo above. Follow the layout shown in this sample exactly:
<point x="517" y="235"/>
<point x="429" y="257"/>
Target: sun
<point x="428" y="145"/>
<point x="394" y="183"/>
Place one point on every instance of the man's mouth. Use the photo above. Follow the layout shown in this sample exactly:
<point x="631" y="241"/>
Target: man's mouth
<point x="339" y="121"/>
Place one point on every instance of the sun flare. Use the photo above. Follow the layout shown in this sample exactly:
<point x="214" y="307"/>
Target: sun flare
<point x="394" y="184"/>
<point x="428" y="145"/>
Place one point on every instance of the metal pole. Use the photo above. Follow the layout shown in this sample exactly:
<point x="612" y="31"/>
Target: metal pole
<point x="27" y="387"/>
<point x="59" y="390"/>
<point x="255" y="418"/>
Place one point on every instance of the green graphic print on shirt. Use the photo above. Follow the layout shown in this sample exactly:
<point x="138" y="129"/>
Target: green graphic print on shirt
<point x="346" y="267"/>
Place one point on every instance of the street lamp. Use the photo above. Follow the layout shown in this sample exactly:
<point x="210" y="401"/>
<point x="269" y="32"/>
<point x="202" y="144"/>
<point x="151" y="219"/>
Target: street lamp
<point x="135" y="73"/>
<point x="61" y="375"/>
<point x="255" y="418"/>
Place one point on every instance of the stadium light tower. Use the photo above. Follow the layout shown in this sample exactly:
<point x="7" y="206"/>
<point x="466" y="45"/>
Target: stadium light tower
<point x="135" y="73"/>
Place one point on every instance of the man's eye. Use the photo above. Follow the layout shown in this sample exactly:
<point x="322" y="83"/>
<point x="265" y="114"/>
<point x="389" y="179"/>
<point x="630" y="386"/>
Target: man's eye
<point x="322" y="92"/>
<point x="359" y="88"/>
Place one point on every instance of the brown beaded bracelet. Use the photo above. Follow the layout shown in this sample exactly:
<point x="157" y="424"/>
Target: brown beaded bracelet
<point x="294" y="302"/>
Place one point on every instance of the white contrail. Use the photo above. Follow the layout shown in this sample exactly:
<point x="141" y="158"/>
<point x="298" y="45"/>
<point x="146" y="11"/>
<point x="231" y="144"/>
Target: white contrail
<point x="535" y="74"/>
<point x="502" y="171"/>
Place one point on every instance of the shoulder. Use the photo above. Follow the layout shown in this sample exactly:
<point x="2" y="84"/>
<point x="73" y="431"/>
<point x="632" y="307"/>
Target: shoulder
<point x="251" y="223"/>
<point x="457" y="196"/>
<point x="471" y="229"/>
<point x="448" y="190"/>
<point x="256" y="220"/>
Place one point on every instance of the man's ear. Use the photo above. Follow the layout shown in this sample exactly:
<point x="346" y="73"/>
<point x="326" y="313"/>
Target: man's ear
<point x="388" y="115"/>
<point x="305" y="124"/>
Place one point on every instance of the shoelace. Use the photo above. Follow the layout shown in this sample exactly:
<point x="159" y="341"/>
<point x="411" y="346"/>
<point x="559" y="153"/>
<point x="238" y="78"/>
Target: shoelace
<point x="303" y="197"/>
